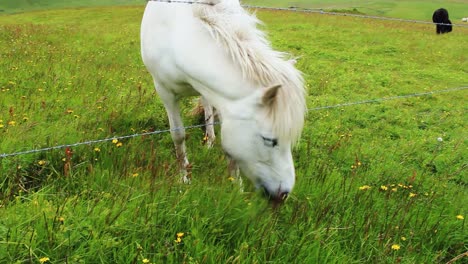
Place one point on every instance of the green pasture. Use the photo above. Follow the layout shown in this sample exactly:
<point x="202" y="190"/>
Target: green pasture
<point x="376" y="183"/>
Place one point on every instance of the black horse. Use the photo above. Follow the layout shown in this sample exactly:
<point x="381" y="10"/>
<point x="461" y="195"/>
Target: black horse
<point x="441" y="16"/>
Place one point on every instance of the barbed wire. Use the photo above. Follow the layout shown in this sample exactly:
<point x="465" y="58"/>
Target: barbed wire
<point x="321" y="11"/>
<point x="389" y="98"/>
<point x="92" y="142"/>
<point x="313" y="10"/>
<point x="291" y="9"/>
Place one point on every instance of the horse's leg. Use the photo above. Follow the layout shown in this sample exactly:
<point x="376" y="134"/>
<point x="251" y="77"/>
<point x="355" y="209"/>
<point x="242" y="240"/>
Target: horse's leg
<point x="209" y="120"/>
<point x="177" y="131"/>
<point x="234" y="172"/>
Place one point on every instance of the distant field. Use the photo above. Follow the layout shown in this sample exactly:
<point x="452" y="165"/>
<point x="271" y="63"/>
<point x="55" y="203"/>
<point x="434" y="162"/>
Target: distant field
<point x="382" y="182"/>
<point x="421" y="10"/>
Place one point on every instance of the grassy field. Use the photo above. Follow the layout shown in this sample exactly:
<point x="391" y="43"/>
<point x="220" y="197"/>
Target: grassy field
<point x="377" y="183"/>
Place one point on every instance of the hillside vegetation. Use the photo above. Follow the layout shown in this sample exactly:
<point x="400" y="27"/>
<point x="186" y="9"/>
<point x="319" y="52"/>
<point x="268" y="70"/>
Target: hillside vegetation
<point x="377" y="182"/>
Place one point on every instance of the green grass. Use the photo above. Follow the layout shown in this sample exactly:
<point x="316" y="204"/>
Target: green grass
<point x="74" y="75"/>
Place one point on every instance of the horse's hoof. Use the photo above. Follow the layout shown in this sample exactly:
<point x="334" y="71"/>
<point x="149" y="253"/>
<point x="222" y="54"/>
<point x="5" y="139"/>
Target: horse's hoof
<point x="209" y="144"/>
<point x="186" y="180"/>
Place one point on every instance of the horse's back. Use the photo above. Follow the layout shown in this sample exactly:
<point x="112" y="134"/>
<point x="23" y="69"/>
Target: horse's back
<point x="159" y="29"/>
<point x="177" y="48"/>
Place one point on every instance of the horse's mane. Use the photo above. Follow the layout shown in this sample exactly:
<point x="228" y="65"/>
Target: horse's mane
<point x="231" y="26"/>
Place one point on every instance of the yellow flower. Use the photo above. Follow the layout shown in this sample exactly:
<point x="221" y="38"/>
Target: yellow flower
<point x="383" y="188"/>
<point x="61" y="219"/>
<point x="115" y="141"/>
<point x="135" y="175"/>
<point x="44" y="260"/>
<point x="403" y="238"/>
<point x="1" y="125"/>
<point x="12" y="123"/>
<point x="145" y="261"/>
<point x="69" y="111"/>
<point x="41" y="162"/>
<point x="396" y="247"/>
<point x="460" y="217"/>
<point x="179" y="237"/>
<point x="364" y="187"/>
<point x="231" y="178"/>
<point x="97" y="150"/>
<point x="411" y="195"/>
<point x="119" y="144"/>
<point x="394" y="189"/>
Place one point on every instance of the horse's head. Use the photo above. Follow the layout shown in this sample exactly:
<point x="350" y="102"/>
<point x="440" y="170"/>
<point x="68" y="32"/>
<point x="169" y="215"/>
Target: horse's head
<point x="248" y="137"/>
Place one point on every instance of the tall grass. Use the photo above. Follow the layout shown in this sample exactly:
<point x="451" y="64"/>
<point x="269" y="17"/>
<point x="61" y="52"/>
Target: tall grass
<point x="377" y="183"/>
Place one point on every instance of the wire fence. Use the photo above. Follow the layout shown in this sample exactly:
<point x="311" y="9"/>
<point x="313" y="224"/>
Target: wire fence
<point x="312" y="10"/>
<point x="92" y="142"/>
<point x="290" y="9"/>
<point x="323" y="12"/>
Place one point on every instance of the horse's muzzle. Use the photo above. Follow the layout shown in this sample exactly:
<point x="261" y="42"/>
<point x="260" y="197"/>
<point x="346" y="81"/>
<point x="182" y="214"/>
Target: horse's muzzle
<point x="277" y="198"/>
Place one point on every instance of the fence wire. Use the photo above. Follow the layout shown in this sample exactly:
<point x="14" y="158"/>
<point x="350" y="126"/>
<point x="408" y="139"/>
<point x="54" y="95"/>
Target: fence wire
<point x="311" y="10"/>
<point x="290" y="9"/>
<point x="323" y="12"/>
<point x="92" y="142"/>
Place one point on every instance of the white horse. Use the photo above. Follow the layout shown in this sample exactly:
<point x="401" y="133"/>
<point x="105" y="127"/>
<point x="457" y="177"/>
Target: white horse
<point x="215" y="50"/>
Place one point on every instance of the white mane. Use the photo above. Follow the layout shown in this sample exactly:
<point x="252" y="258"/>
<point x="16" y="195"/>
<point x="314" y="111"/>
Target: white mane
<point x="231" y="26"/>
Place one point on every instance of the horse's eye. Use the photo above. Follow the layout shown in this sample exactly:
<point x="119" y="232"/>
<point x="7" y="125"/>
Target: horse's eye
<point x="270" y="142"/>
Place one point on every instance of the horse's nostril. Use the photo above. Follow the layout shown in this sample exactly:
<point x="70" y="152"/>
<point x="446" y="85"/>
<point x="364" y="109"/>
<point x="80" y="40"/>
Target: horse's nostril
<point x="277" y="198"/>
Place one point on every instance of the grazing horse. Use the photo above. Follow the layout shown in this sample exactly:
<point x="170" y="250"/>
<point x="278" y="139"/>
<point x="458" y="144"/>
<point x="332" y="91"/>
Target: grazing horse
<point x="441" y="16"/>
<point x="214" y="49"/>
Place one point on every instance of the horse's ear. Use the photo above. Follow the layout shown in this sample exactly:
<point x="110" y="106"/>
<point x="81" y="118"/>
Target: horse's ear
<point x="269" y="96"/>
